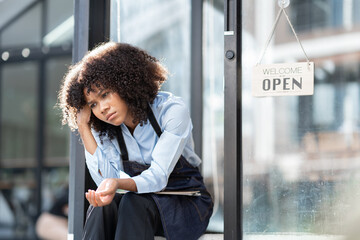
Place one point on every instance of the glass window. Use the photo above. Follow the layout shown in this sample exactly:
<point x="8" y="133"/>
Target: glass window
<point x="18" y="149"/>
<point x="10" y="8"/>
<point x="25" y="31"/>
<point x="324" y="111"/>
<point x="22" y="176"/>
<point x="19" y="113"/>
<point x="161" y="27"/>
<point x="213" y="109"/>
<point x="356" y="11"/>
<point x="311" y="15"/>
<point x="301" y="154"/>
<point x="60" y="23"/>
<point x="56" y="136"/>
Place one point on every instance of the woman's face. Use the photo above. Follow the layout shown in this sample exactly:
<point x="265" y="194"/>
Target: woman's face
<point x="108" y="106"/>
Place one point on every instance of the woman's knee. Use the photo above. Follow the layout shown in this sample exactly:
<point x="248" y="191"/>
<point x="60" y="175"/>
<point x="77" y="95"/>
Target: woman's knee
<point x="132" y="202"/>
<point x="138" y="209"/>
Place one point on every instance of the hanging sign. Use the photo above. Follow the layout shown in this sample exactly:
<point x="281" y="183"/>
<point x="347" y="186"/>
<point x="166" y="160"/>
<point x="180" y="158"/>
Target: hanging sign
<point x="285" y="79"/>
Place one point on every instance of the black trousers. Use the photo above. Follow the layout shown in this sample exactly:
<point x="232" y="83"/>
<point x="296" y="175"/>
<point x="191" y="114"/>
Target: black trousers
<point x="129" y="216"/>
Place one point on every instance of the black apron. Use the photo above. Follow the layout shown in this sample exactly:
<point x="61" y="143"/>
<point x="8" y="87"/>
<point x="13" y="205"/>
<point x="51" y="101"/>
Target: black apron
<point x="183" y="217"/>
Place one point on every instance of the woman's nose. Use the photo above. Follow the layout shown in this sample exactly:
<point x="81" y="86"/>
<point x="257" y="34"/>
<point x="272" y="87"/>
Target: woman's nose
<point x="104" y="107"/>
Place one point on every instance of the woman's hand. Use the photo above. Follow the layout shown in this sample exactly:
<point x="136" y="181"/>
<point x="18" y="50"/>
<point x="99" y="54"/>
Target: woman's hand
<point x="83" y="116"/>
<point x="82" y="120"/>
<point x="104" y="194"/>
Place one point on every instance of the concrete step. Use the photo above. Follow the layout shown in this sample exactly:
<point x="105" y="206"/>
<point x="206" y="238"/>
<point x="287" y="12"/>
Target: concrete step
<point x="203" y="237"/>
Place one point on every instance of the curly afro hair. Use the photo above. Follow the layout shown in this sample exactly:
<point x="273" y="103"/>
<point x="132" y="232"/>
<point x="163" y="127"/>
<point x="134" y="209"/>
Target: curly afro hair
<point x="127" y="70"/>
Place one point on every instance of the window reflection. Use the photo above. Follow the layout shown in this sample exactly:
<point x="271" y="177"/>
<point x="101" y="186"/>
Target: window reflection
<point x="18" y="148"/>
<point x="59" y="24"/>
<point x="19" y="114"/>
<point x="56" y="136"/>
<point x="311" y="15"/>
<point x="355" y="11"/>
<point x="161" y="27"/>
<point x="25" y="31"/>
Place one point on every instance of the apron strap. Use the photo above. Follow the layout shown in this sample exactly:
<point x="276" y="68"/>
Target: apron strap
<point x="122" y="145"/>
<point x="120" y="136"/>
<point x="153" y="122"/>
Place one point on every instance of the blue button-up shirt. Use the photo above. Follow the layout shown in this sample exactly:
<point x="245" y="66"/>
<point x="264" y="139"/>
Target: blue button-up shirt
<point x="145" y="147"/>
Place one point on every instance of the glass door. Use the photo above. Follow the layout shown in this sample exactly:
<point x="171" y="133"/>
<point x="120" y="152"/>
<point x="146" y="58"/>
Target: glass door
<point x="301" y="154"/>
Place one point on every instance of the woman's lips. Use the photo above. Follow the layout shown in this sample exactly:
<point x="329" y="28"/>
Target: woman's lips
<point x="110" y="116"/>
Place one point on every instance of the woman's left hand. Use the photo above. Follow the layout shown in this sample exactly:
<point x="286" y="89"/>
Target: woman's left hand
<point x="104" y="194"/>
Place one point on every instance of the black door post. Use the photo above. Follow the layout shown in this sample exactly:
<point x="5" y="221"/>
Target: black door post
<point x="232" y="121"/>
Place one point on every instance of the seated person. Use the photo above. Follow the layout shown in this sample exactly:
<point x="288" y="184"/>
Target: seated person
<point x="128" y="126"/>
<point x="53" y="225"/>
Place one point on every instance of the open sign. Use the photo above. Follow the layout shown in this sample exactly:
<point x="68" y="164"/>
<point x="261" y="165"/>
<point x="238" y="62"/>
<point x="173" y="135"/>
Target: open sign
<point x="285" y="79"/>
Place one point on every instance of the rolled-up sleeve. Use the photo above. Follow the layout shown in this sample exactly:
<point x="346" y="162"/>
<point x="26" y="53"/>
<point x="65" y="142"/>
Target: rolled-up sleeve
<point x="176" y="126"/>
<point x="104" y="163"/>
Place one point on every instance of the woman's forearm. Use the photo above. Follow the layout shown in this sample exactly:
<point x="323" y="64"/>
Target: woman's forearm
<point x="126" y="184"/>
<point x="88" y="139"/>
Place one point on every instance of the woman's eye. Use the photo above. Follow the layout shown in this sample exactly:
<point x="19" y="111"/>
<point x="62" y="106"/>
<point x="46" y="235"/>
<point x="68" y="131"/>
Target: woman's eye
<point x="105" y="94"/>
<point x="92" y="105"/>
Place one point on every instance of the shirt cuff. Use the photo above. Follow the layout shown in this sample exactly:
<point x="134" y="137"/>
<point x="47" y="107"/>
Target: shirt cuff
<point x="153" y="179"/>
<point x="141" y="184"/>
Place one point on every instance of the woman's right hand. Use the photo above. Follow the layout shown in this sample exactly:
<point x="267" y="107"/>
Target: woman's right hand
<point x="104" y="194"/>
<point x="82" y="120"/>
<point x="83" y="116"/>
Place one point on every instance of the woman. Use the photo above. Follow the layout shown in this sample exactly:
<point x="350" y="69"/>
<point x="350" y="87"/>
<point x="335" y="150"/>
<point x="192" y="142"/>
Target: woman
<point x="127" y="126"/>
